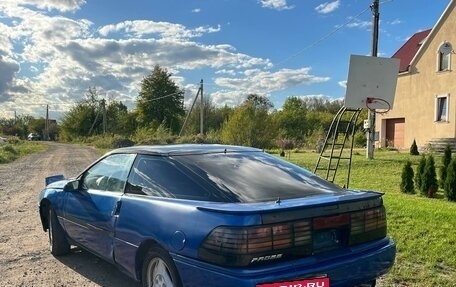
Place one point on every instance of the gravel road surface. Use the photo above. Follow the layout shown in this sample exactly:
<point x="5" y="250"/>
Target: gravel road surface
<point x="25" y="259"/>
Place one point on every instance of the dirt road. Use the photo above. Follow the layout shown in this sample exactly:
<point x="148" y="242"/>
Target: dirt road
<point x="25" y="259"/>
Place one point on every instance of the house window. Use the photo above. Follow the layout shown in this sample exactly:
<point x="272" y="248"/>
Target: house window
<point x="444" y="56"/>
<point x="441" y="108"/>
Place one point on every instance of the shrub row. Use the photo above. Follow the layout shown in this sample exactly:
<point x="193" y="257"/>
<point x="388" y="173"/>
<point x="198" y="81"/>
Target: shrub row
<point x="425" y="177"/>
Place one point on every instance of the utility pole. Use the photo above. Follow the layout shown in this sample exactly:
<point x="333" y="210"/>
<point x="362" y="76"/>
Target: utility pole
<point x="103" y="107"/>
<point x="46" y="124"/>
<point x="202" y="109"/>
<point x="199" y="92"/>
<point x="371" y="113"/>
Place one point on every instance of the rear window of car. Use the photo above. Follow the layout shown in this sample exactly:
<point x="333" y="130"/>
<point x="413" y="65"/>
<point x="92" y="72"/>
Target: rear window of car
<point x="164" y="177"/>
<point x="256" y="176"/>
<point x="224" y="177"/>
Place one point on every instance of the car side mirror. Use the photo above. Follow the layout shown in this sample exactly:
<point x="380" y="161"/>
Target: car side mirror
<point x="72" y="185"/>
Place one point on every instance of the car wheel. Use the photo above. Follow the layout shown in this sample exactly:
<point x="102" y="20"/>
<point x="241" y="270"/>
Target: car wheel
<point x="58" y="244"/>
<point x="159" y="270"/>
<point x="368" y="284"/>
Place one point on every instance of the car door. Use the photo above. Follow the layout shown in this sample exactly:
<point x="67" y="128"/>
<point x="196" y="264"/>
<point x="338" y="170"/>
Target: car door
<point x="91" y="211"/>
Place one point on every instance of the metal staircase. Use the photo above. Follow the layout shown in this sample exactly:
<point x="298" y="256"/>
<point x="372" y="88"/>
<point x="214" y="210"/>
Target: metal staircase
<point x="334" y="150"/>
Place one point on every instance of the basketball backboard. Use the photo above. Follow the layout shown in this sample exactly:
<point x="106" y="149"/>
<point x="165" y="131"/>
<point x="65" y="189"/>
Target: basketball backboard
<point x="371" y="78"/>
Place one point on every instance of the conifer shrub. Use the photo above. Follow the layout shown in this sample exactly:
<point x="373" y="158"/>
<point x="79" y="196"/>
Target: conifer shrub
<point x="446" y="159"/>
<point x="450" y="181"/>
<point x="414" y="148"/>
<point x="407" y="185"/>
<point x="419" y="172"/>
<point x="429" y="178"/>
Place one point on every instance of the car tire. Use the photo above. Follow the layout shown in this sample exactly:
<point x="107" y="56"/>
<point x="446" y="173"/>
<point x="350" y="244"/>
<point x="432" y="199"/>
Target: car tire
<point x="368" y="284"/>
<point x="58" y="244"/>
<point x="159" y="270"/>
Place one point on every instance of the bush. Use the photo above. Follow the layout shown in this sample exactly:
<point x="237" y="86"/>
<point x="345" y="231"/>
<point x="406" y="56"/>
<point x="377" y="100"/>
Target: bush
<point x="360" y="139"/>
<point x="450" y="181"/>
<point x="446" y="159"/>
<point x="414" y="148"/>
<point x="407" y="185"/>
<point x="151" y="136"/>
<point x="9" y="149"/>
<point x="419" y="172"/>
<point x="14" y="140"/>
<point x="429" y="178"/>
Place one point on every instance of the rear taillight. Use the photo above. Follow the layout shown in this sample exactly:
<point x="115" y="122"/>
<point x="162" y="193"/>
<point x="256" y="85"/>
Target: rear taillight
<point x="235" y="246"/>
<point x="242" y="246"/>
<point x="367" y="225"/>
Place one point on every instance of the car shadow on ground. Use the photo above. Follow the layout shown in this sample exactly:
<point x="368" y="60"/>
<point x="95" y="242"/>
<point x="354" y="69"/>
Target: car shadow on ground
<point x="95" y="269"/>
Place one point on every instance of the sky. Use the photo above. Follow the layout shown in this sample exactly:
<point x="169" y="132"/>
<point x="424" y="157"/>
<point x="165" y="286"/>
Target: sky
<point x="52" y="51"/>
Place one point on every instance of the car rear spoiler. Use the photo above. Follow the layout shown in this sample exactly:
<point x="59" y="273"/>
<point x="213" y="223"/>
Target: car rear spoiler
<point x="345" y="203"/>
<point x="53" y="178"/>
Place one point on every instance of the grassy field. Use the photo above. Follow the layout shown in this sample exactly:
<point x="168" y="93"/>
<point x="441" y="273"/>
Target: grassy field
<point x="424" y="229"/>
<point x="12" y="151"/>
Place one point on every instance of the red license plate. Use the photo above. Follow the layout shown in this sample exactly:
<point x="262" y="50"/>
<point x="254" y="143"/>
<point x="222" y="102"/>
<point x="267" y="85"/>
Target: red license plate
<point x="317" y="282"/>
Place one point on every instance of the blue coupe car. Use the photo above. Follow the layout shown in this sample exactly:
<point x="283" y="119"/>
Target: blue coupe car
<point x="215" y="215"/>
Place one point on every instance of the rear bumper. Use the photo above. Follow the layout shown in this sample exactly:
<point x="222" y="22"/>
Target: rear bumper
<point x="354" y="266"/>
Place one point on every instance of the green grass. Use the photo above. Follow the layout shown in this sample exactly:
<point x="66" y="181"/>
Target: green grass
<point x="424" y="229"/>
<point x="17" y="149"/>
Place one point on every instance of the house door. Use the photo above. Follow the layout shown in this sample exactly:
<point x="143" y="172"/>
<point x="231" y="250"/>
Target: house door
<point x="395" y="132"/>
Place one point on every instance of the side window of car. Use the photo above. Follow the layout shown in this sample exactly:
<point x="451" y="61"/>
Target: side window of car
<point x="162" y="177"/>
<point x="109" y="174"/>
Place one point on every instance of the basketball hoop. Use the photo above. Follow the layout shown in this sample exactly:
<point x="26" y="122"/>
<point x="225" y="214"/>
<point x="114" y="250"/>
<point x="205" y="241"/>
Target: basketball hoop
<point x="378" y="103"/>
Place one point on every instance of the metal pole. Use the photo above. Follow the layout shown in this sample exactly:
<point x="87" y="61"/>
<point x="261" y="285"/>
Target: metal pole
<point x="202" y="109"/>
<point x="189" y="112"/>
<point x="371" y="114"/>
<point x="103" y="106"/>
<point x="46" y="124"/>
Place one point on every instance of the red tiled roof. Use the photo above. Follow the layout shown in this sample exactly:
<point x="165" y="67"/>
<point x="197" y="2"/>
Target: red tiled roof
<point x="406" y="53"/>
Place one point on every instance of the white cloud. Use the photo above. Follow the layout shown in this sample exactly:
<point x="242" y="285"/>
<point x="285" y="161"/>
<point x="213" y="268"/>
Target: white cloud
<point x="343" y="84"/>
<point x="142" y="28"/>
<point x="196" y="10"/>
<point x="327" y="7"/>
<point x="226" y="71"/>
<point x="276" y="4"/>
<point x="60" y="5"/>
<point x="261" y="82"/>
<point x="8" y="68"/>
<point x="356" y="23"/>
<point x="395" y="22"/>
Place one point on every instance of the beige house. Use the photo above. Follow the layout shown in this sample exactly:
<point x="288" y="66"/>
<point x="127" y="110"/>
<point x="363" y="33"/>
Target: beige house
<point x="425" y="101"/>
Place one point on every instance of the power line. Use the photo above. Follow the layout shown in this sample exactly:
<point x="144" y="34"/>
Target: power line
<point x="324" y="37"/>
<point x="163" y="97"/>
<point x="351" y="19"/>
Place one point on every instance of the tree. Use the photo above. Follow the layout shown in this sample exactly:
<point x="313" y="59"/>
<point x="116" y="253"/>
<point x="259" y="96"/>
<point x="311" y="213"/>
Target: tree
<point x="119" y="119"/>
<point x="429" y="178"/>
<point x="37" y="125"/>
<point x="291" y="120"/>
<point x="214" y="117"/>
<point x="446" y="159"/>
<point x="450" y="181"/>
<point x="414" y="149"/>
<point x="19" y="126"/>
<point x="160" y="101"/>
<point x="406" y="185"/>
<point x="81" y="120"/>
<point x="250" y="124"/>
<point x="420" y="171"/>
